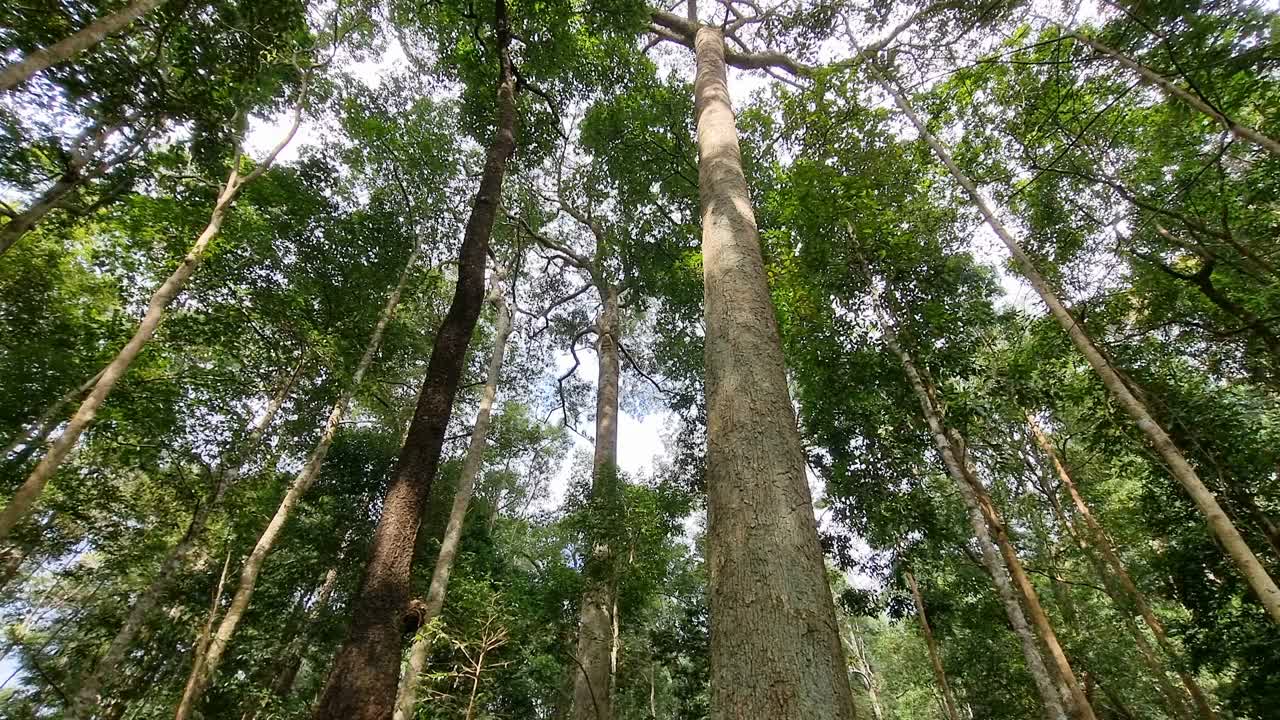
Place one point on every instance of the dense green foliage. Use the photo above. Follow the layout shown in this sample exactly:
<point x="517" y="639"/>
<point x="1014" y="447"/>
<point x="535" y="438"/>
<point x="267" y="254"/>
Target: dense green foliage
<point x="1153" y="222"/>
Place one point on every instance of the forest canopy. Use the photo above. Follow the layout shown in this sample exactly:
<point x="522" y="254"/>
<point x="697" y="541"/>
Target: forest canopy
<point x="605" y="360"/>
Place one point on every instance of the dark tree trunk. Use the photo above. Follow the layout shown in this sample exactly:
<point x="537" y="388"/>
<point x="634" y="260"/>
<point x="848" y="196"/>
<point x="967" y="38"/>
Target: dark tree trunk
<point x="366" y="671"/>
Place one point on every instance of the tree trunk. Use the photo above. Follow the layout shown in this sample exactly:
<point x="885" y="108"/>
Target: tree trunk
<point x="935" y="658"/>
<point x="203" y="670"/>
<point x="1049" y="695"/>
<point x="864" y="660"/>
<point x="1074" y="693"/>
<point x="775" y="644"/>
<point x="1102" y="542"/>
<point x="362" y="685"/>
<point x="95" y="32"/>
<point x="406" y="698"/>
<point x="1219" y="523"/>
<point x="22" y="223"/>
<point x="86" y="698"/>
<point x="35" y="433"/>
<point x="23" y="500"/>
<point x="1172" y="89"/>
<point x="593" y="679"/>
<point x="202" y="643"/>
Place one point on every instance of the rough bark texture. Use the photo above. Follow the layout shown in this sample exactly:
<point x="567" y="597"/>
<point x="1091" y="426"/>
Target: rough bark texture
<point x="86" y="699"/>
<point x="1174" y="90"/>
<point x="203" y="669"/>
<point x="1049" y="696"/>
<point x="33" y="486"/>
<point x="593" y="658"/>
<point x="775" y="644"/>
<point x="406" y="698"/>
<point x="1098" y="538"/>
<point x="1223" y="529"/>
<point x="935" y="658"/>
<point x="362" y="685"/>
<point x="95" y="32"/>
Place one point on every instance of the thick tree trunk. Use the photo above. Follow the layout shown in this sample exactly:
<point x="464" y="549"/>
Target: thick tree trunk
<point x="1049" y="695"/>
<point x="205" y="667"/>
<point x="593" y="675"/>
<point x="362" y="685"/>
<point x="1219" y="523"/>
<point x="1172" y="89"/>
<point x="1120" y="574"/>
<point x="95" y="32"/>
<point x="406" y="697"/>
<point x="775" y="644"/>
<point x="935" y="658"/>
<point x="27" y="495"/>
<point x="86" y="699"/>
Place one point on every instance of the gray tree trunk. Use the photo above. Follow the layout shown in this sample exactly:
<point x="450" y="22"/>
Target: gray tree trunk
<point x="473" y="462"/>
<point x="20" y="71"/>
<point x="775" y="642"/>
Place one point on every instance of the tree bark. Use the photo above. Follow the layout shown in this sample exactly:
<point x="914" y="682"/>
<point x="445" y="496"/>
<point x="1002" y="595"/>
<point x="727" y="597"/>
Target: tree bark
<point x="1049" y="695"/>
<point x="935" y="658"/>
<point x="86" y="699"/>
<point x="1120" y="574"/>
<point x="27" y="495"/>
<point x="1219" y="523"/>
<point x="205" y="667"/>
<point x="1172" y="89"/>
<point x="362" y="685"/>
<point x="593" y="678"/>
<point x="18" y="72"/>
<point x="775" y="643"/>
<point x="473" y="462"/>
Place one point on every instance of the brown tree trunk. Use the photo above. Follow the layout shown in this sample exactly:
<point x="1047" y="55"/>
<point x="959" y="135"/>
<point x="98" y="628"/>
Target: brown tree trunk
<point x="362" y="684"/>
<point x="406" y="698"/>
<point x="1102" y="542"/>
<point x="1079" y="703"/>
<point x="20" y="71"/>
<point x="935" y="658"/>
<point x="775" y="643"/>
<point x="1049" y="695"/>
<point x="1172" y="89"/>
<point x="1219" y="523"/>
<point x="86" y="698"/>
<point x="27" y="495"/>
<point x="593" y="679"/>
<point x="205" y="667"/>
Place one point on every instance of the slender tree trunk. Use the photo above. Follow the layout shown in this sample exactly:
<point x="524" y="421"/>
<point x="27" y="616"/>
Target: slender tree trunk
<point x="23" y="500"/>
<point x="935" y="658"/>
<point x="1219" y="523"/>
<point x="1049" y="695"/>
<point x="86" y="699"/>
<point x="202" y="643"/>
<point x="1031" y="600"/>
<point x="593" y="679"/>
<point x="362" y="685"/>
<point x="1120" y="574"/>
<point x="473" y="462"/>
<point x="95" y="32"/>
<point x="203" y="670"/>
<point x="1172" y="89"/>
<point x="22" y="223"/>
<point x="775" y="643"/>
<point x="864" y="660"/>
